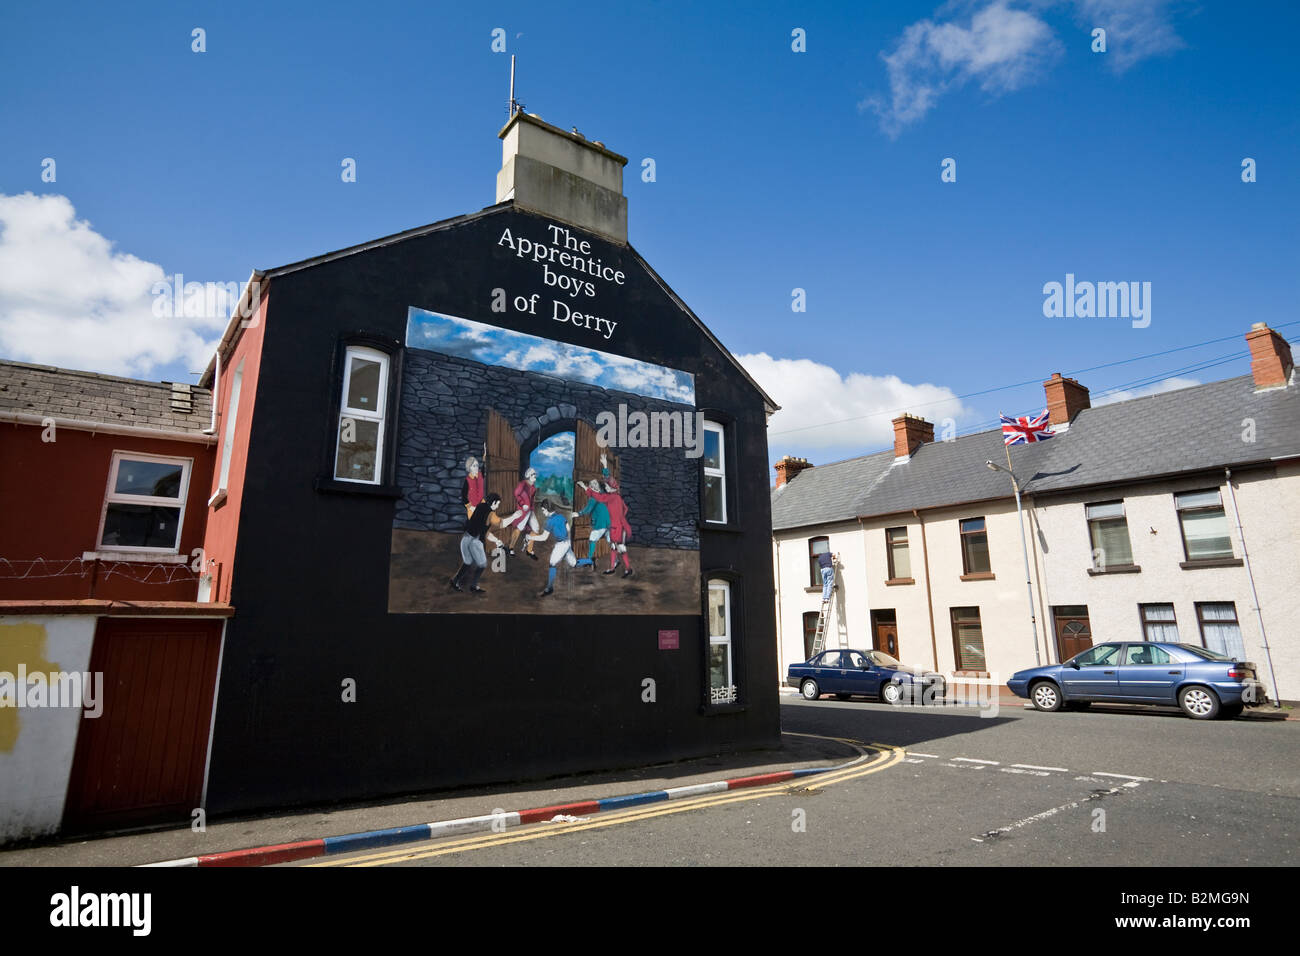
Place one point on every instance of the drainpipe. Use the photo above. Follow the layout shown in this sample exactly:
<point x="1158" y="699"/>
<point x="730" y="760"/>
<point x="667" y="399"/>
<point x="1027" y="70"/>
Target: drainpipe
<point x="780" y="624"/>
<point x="929" y="598"/>
<point x="216" y="393"/>
<point x="1245" y="557"/>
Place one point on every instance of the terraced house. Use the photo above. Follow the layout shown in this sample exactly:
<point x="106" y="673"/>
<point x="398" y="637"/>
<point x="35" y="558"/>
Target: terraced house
<point x="1168" y="517"/>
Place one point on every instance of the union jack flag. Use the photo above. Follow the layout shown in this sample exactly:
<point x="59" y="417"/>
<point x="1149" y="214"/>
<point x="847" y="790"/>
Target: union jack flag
<point x="1021" y="431"/>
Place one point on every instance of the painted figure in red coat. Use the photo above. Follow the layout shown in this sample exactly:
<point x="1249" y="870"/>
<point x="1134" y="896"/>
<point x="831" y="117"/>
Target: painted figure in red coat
<point x="524" y="517"/>
<point x="475" y="486"/>
<point x="619" y="530"/>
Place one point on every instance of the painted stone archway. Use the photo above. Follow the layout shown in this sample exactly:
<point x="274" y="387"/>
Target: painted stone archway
<point x="509" y="450"/>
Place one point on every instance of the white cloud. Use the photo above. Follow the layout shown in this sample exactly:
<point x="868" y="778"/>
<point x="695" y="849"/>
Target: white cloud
<point x="820" y="408"/>
<point x="644" y="379"/>
<point x="1004" y="45"/>
<point x="1165" y="385"/>
<point x="68" y="298"/>
<point x="556" y="450"/>
<point x="998" y="47"/>
<point x="1135" y="29"/>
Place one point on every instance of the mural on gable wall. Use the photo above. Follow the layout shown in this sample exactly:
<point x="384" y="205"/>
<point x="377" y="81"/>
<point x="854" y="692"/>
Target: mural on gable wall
<point x="541" y="477"/>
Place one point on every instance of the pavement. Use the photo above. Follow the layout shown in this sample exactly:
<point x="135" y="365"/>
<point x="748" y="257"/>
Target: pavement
<point x="221" y="836"/>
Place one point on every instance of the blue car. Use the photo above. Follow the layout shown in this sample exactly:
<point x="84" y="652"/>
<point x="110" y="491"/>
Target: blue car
<point x="1204" y="683"/>
<point x="848" y="673"/>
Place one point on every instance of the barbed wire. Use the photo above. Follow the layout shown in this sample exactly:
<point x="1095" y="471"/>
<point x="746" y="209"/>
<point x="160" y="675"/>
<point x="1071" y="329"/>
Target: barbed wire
<point x="138" y="572"/>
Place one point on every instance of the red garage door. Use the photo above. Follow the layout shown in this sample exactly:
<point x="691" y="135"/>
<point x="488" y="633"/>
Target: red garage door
<point x="142" y="760"/>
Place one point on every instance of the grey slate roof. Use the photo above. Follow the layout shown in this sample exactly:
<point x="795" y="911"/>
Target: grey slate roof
<point x="1187" y="430"/>
<point x="828" y="492"/>
<point x="43" y="390"/>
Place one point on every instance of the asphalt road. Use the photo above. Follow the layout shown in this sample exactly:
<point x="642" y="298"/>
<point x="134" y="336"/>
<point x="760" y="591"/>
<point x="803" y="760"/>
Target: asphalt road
<point x="945" y="786"/>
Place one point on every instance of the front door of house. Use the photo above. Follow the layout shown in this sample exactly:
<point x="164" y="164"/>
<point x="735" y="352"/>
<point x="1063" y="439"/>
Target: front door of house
<point x="885" y="633"/>
<point x="1073" y="631"/>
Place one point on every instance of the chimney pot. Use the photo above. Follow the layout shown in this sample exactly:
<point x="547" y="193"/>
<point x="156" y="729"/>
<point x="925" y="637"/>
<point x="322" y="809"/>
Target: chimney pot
<point x="910" y="433"/>
<point x="1065" y="399"/>
<point x="1270" y="357"/>
<point x="788" y="467"/>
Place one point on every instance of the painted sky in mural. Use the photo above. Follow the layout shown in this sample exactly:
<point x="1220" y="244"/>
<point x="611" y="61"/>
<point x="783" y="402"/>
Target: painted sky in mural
<point x="530" y="353"/>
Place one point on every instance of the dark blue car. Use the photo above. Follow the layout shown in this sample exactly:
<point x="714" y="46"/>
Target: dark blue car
<point x="848" y="673"/>
<point x="1204" y="683"/>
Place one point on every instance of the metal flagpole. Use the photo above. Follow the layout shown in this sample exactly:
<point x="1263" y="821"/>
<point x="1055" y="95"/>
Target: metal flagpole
<point x="1024" y="548"/>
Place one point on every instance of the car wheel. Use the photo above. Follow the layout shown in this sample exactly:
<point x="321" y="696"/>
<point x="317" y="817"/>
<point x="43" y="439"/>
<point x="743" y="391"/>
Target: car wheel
<point x="809" y="689"/>
<point x="892" y="693"/>
<point x="1229" y="711"/>
<point x="1045" y="696"/>
<point x="1199" y="703"/>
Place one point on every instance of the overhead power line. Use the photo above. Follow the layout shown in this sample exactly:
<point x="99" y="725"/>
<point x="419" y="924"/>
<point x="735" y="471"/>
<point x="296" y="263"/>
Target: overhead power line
<point x="893" y="412"/>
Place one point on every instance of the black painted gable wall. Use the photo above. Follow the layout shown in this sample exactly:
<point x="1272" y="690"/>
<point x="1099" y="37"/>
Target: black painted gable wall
<point x="452" y="700"/>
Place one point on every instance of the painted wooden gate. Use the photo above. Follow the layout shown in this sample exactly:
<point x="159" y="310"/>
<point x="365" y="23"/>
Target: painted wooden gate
<point x="502" y="469"/>
<point x="143" y="759"/>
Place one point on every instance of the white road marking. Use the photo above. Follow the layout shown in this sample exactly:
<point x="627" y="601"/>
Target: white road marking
<point x="991" y="763"/>
<point x="1000" y="831"/>
<point x="912" y="760"/>
<point x="913" y="753"/>
<point x="1121" y="776"/>
<point x="1036" y="773"/>
<point x="1030" y="766"/>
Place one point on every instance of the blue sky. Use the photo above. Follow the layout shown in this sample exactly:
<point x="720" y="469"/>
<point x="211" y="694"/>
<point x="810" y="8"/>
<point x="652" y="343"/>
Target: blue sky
<point x="530" y="353"/>
<point x="554" y="456"/>
<point x="775" y="170"/>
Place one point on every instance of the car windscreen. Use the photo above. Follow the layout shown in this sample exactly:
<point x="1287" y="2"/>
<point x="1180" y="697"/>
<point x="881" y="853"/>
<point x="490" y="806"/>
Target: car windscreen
<point x="880" y="657"/>
<point x="1203" y="652"/>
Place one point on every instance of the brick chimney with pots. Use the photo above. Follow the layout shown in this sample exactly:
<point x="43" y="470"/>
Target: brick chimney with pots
<point x="1065" y="399"/>
<point x="1270" y="357"/>
<point x="788" y="467"/>
<point x="910" y="433"/>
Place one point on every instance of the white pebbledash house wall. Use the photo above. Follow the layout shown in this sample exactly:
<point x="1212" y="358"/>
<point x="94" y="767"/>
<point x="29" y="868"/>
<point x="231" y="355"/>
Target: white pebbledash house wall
<point x="1143" y="453"/>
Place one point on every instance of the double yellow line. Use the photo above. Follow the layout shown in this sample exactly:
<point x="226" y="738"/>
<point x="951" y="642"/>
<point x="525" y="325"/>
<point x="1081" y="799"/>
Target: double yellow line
<point x="886" y="755"/>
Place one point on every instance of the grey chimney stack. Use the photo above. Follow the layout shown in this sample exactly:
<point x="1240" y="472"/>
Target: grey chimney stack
<point x="562" y="175"/>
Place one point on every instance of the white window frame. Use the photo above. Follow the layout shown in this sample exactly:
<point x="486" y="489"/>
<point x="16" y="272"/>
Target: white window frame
<point x="1094" y="512"/>
<point x="720" y="472"/>
<point x="1191" y="509"/>
<point x="1159" y="623"/>
<point x="718" y="584"/>
<point x="363" y="414"/>
<point x="890" y="564"/>
<point x="1240" y="638"/>
<point x="228" y="440"/>
<point x="113" y="498"/>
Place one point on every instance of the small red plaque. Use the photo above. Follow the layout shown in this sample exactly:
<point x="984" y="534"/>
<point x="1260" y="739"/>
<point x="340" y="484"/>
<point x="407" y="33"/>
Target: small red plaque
<point x="669" y="640"/>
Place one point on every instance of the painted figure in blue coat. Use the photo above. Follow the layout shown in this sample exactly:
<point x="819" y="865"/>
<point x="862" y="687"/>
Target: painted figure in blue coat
<point x="554" y="526"/>
<point x="600" y="522"/>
